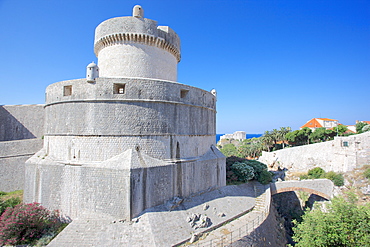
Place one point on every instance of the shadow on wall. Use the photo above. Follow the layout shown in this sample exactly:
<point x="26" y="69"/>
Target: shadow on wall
<point x="11" y="128"/>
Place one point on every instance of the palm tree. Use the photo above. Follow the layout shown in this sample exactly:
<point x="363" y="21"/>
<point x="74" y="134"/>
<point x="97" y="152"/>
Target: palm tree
<point x="267" y="140"/>
<point x="282" y="134"/>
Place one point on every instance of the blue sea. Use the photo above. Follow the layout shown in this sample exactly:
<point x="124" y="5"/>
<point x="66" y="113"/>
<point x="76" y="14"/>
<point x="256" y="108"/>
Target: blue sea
<point x="249" y="136"/>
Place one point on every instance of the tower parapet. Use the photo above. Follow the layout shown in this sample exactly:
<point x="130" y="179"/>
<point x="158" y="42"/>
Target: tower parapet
<point x="137" y="47"/>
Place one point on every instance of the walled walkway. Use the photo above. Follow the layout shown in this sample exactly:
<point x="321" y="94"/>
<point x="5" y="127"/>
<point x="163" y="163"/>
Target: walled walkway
<point x="241" y="226"/>
<point x="245" y="225"/>
<point x="234" y="212"/>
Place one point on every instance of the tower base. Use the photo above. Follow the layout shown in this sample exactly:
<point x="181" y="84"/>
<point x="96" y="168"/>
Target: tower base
<point x="122" y="186"/>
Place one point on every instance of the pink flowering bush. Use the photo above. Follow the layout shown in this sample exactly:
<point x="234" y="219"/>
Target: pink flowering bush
<point x="25" y="223"/>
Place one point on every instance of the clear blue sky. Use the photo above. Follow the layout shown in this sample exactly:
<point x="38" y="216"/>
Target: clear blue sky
<point x="273" y="63"/>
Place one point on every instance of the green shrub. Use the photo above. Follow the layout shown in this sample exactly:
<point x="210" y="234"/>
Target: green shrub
<point x="11" y="202"/>
<point x="265" y="177"/>
<point x="257" y="166"/>
<point x="25" y="223"/>
<point x="259" y="169"/>
<point x="367" y="173"/>
<point x="337" y="178"/>
<point x="231" y="177"/>
<point x="342" y="223"/>
<point x="303" y="177"/>
<point x="243" y="171"/>
<point x="317" y="172"/>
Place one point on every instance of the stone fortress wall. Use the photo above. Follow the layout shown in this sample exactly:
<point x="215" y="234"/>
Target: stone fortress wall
<point x="340" y="155"/>
<point x="152" y="115"/>
<point x="18" y="122"/>
<point x="21" y="129"/>
<point x="238" y="135"/>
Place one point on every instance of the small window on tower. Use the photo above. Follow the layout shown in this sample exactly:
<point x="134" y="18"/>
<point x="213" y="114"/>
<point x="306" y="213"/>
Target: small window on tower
<point x="183" y="93"/>
<point x="119" y="88"/>
<point x="67" y="90"/>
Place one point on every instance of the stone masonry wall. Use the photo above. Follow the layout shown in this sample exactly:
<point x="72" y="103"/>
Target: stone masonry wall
<point x="123" y="186"/>
<point x="136" y="47"/>
<point x="19" y="122"/>
<point x="164" y="119"/>
<point x="340" y="155"/>
<point x="21" y="129"/>
<point x="13" y="155"/>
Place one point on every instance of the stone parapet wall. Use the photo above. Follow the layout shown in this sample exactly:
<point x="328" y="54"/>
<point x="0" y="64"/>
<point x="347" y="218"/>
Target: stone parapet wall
<point x="13" y="155"/>
<point x="18" y="122"/>
<point x="20" y="148"/>
<point x="136" y="89"/>
<point x="340" y="155"/>
<point x="137" y="47"/>
<point x="128" y="24"/>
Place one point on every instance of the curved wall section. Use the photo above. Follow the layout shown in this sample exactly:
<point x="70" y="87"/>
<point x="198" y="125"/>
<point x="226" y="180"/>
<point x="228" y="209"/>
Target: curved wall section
<point x="165" y="120"/>
<point x="81" y="149"/>
<point x="137" y="60"/>
<point x="136" y="47"/>
<point x="129" y="118"/>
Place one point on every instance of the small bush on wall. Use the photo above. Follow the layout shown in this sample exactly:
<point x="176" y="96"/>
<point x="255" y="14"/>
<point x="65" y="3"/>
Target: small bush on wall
<point x="318" y="172"/>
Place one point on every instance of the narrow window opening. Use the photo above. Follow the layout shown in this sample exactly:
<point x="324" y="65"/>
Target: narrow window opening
<point x="345" y="144"/>
<point x="119" y="88"/>
<point x="183" y="93"/>
<point x="67" y="90"/>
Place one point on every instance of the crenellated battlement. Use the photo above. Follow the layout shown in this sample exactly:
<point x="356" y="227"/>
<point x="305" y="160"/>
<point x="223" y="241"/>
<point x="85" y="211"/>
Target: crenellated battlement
<point x="128" y="38"/>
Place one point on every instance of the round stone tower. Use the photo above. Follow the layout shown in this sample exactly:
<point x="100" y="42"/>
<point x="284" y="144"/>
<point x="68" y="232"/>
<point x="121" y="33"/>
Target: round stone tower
<point x="137" y="47"/>
<point x="126" y="137"/>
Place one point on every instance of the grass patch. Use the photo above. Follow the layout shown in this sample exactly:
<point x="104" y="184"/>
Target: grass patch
<point x="13" y="194"/>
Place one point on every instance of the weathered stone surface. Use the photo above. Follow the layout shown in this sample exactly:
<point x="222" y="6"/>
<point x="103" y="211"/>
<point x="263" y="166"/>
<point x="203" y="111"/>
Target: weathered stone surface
<point x="18" y="122"/>
<point x="157" y="226"/>
<point x="340" y="155"/>
<point x="13" y="155"/>
<point x="321" y="187"/>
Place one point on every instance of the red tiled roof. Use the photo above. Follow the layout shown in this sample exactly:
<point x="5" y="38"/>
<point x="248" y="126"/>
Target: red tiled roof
<point x="327" y="119"/>
<point x="313" y="123"/>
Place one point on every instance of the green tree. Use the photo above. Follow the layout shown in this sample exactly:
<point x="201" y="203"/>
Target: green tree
<point x="340" y="129"/>
<point x="318" y="135"/>
<point x="251" y="149"/>
<point x="267" y="140"/>
<point x="282" y="134"/>
<point x="343" y="223"/>
<point x="229" y="150"/>
<point x="366" y="128"/>
<point x="360" y="126"/>
<point x="299" y="137"/>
